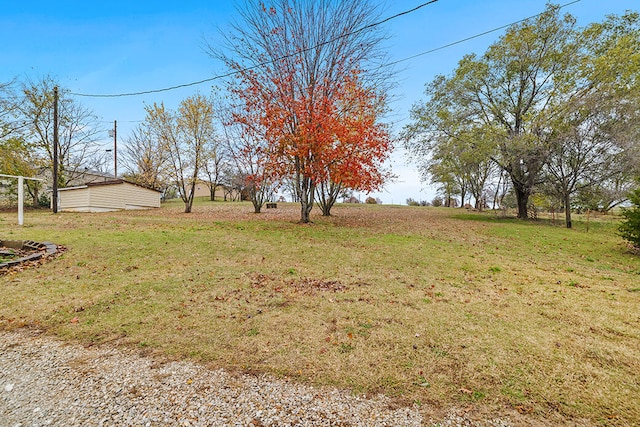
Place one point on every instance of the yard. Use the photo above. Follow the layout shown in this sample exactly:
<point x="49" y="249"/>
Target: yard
<point x="435" y="307"/>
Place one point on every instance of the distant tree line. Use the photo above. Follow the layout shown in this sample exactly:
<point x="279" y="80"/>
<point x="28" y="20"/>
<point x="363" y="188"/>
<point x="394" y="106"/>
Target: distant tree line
<point x="549" y="110"/>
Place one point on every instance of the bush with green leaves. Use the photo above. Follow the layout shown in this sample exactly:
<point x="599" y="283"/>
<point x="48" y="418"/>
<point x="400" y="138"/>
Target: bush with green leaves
<point x="44" y="200"/>
<point x="630" y="226"/>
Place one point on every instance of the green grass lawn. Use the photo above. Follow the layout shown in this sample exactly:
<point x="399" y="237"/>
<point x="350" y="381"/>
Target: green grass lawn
<point x="436" y="307"/>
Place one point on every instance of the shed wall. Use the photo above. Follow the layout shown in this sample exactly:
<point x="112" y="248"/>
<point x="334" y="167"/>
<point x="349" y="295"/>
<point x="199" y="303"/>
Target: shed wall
<point x="72" y="199"/>
<point x="102" y="198"/>
<point x="123" y="196"/>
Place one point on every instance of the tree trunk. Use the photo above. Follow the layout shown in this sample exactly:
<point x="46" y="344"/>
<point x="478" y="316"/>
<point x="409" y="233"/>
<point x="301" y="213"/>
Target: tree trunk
<point x="495" y="196"/>
<point x="257" y="197"/>
<point x="326" y="209"/>
<point x="567" y="210"/>
<point x="306" y="204"/>
<point x="307" y="190"/>
<point x="522" y="198"/>
<point x="326" y="204"/>
<point x="36" y="202"/>
<point x="327" y="196"/>
<point x="189" y="200"/>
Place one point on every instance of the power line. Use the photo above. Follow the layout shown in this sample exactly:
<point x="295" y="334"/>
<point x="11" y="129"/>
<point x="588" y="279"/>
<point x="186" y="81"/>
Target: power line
<point x="218" y="77"/>
<point x="406" y="12"/>
<point x="474" y="36"/>
<point x="484" y="33"/>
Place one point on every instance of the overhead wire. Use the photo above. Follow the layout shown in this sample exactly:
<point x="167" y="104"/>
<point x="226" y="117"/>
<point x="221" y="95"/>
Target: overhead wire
<point x="484" y="33"/>
<point x="229" y="74"/>
<point x="222" y="76"/>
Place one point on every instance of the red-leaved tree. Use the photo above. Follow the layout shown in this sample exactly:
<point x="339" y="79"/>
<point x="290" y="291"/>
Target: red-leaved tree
<point x="298" y="82"/>
<point x="354" y="160"/>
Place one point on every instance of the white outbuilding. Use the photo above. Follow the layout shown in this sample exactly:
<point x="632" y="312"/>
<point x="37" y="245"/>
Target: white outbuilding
<point x="107" y="196"/>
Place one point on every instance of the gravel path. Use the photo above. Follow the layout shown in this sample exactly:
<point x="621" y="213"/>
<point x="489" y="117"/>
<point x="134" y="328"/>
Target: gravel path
<point x="45" y="382"/>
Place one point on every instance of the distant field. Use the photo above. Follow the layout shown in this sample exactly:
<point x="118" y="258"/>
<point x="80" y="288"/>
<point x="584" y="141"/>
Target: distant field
<point x="436" y="307"/>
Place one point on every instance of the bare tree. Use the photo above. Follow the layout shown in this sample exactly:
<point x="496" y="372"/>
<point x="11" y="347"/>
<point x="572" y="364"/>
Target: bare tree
<point x="214" y="164"/>
<point x="184" y="135"/>
<point x="78" y="128"/>
<point x="145" y="159"/>
<point x="8" y="124"/>
<point x="233" y="183"/>
<point x="584" y="152"/>
<point x="248" y="154"/>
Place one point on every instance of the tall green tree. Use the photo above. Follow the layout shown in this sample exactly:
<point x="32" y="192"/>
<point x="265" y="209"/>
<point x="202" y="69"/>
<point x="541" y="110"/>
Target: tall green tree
<point x="18" y="158"/>
<point x="595" y="140"/>
<point x="630" y="226"/>
<point x="613" y="70"/>
<point x="511" y="92"/>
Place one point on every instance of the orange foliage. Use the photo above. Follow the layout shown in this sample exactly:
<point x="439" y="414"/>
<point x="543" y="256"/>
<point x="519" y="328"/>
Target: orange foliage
<point x="327" y="131"/>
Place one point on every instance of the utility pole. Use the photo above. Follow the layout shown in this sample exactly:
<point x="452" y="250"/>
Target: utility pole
<point x="114" y="134"/>
<point x="115" y="148"/>
<point x="54" y="197"/>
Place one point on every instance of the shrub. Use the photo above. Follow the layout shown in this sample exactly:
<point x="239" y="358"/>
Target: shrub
<point x="630" y="227"/>
<point x="44" y="201"/>
<point x="371" y="201"/>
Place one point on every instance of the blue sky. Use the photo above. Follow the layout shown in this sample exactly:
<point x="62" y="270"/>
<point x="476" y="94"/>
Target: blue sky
<point x="137" y="45"/>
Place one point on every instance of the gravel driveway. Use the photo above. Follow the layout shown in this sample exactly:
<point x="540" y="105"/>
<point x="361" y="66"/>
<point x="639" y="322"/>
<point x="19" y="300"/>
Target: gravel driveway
<point x="45" y="382"/>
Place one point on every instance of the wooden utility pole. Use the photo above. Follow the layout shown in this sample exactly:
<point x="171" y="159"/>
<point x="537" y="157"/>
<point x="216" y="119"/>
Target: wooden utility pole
<point x="54" y="196"/>
<point x="114" y="133"/>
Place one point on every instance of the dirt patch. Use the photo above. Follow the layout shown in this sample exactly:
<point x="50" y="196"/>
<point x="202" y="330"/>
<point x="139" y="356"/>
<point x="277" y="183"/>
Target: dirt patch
<point x="305" y="286"/>
<point x="310" y="286"/>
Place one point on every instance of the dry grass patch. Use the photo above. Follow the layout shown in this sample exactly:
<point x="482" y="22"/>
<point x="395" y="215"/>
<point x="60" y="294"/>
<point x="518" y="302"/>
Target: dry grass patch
<point x="432" y="306"/>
